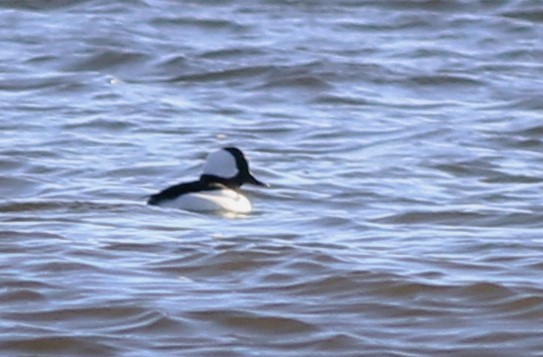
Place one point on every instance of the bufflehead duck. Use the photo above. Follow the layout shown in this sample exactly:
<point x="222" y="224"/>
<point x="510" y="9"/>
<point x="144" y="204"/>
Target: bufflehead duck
<point x="218" y="188"/>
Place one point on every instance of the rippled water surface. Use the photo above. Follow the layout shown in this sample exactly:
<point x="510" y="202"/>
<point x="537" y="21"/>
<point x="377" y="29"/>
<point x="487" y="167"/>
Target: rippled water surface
<point x="402" y="140"/>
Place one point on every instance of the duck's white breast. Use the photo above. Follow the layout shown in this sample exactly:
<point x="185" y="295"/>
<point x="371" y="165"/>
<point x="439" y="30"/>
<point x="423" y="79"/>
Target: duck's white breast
<point x="215" y="200"/>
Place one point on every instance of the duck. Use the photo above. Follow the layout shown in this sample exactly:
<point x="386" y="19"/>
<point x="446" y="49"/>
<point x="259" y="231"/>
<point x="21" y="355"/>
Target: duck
<point x="218" y="188"/>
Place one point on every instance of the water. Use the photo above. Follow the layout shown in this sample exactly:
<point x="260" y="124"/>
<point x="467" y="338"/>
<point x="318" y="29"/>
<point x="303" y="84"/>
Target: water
<point x="402" y="141"/>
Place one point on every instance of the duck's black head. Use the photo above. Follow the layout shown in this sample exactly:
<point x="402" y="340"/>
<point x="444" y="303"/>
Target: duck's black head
<point x="229" y="167"/>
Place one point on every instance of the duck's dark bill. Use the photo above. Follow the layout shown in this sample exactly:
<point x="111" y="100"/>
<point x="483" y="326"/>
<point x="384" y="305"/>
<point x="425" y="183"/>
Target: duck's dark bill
<point x="254" y="181"/>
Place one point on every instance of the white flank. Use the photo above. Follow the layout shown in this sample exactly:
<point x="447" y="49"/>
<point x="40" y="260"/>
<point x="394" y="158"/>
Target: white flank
<point x="205" y="201"/>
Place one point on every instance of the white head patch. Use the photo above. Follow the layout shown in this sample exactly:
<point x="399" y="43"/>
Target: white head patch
<point x="222" y="164"/>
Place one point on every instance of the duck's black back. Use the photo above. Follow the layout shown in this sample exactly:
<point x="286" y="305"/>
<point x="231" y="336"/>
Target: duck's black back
<point x="175" y="191"/>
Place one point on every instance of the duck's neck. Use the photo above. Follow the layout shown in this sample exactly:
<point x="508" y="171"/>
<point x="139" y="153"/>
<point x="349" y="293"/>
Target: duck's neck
<point x="232" y="183"/>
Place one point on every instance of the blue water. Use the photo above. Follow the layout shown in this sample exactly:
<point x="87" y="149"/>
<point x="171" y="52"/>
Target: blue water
<point x="402" y="141"/>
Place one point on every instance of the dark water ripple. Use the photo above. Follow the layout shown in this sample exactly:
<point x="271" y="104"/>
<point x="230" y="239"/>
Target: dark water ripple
<point x="402" y="141"/>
